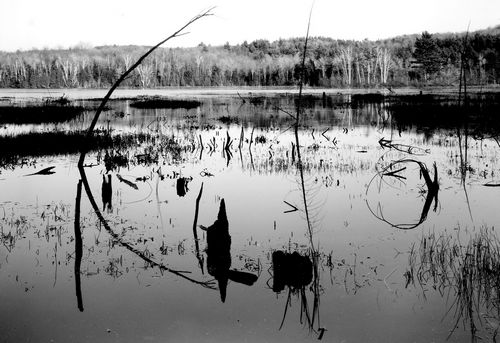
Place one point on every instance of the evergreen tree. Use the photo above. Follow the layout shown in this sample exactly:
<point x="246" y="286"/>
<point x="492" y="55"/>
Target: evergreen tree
<point x="428" y="54"/>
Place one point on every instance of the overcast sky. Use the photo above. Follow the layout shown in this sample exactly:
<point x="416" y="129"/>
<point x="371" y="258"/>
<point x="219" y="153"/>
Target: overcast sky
<point x="26" y="24"/>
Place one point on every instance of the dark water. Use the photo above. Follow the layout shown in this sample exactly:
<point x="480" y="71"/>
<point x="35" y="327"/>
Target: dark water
<point x="334" y="246"/>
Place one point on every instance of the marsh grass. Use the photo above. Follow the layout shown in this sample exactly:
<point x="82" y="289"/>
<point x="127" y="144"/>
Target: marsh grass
<point x="39" y="113"/>
<point x="36" y="144"/>
<point x="470" y="271"/>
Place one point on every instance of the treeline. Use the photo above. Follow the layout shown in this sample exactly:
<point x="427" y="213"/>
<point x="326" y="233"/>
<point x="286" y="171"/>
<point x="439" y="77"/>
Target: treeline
<point x="401" y="61"/>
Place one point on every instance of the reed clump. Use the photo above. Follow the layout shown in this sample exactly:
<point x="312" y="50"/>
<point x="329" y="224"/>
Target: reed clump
<point x="39" y="113"/>
<point x="470" y="271"/>
<point x="37" y="144"/>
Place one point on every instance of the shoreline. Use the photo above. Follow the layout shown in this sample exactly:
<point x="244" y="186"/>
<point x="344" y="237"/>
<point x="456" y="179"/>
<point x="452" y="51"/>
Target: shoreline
<point x="94" y="94"/>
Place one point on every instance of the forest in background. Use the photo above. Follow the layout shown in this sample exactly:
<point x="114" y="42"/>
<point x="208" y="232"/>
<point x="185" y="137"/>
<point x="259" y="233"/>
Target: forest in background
<point x="411" y="60"/>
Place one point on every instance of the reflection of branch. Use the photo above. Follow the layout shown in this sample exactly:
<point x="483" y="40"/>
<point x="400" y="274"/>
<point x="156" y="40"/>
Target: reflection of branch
<point x="432" y="193"/>
<point x="293" y="207"/>
<point x="206" y="284"/>
<point x="158" y="208"/>
<point x="78" y="247"/>
<point x="395" y="173"/>
<point x="195" y="233"/>
<point x="463" y="167"/>
<point x="250" y="151"/>
<point x="284" y="111"/>
<point x="287" y="304"/>
<point x="126" y="73"/>
<point x="241" y="159"/>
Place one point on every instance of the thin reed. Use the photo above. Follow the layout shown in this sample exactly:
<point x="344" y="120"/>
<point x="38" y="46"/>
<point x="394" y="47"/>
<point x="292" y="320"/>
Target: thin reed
<point x="470" y="271"/>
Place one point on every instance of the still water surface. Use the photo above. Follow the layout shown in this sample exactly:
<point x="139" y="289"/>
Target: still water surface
<point x="323" y="253"/>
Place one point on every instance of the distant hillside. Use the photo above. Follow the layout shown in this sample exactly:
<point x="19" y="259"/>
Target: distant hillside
<point x="404" y="60"/>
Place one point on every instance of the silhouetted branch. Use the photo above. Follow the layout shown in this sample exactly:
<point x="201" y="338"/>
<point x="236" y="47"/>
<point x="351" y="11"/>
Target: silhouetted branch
<point x="313" y="253"/>
<point x="297" y="118"/>
<point x="178" y="33"/>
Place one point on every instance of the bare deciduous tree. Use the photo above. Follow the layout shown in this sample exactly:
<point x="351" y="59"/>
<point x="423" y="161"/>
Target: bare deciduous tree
<point x="145" y="72"/>
<point x="346" y="57"/>
<point x="384" y="63"/>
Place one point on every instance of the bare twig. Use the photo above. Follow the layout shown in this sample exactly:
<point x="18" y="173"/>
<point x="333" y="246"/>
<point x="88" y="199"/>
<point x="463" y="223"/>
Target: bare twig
<point x="177" y="33"/>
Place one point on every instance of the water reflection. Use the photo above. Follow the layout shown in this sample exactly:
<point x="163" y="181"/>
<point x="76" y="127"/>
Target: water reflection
<point x="291" y="270"/>
<point x="182" y="186"/>
<point x="321" y="167"/>
<point x="107" y="193"/>
<point x="392" y="176"/>
<point x="219" y="254"/>
<point x="295" y="272"/>
<point x="146" y="257"/>
<point x="79" y="246"/>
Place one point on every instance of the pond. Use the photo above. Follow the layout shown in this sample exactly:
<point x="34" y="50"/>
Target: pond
<point x="216" y="218"/>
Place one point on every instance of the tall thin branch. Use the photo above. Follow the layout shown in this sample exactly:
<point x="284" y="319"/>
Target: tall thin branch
<point x="303" y="67"/>
<point x="315" y="287"/>
<point x="177" y="33"/>
<point x="299" y="160"/>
